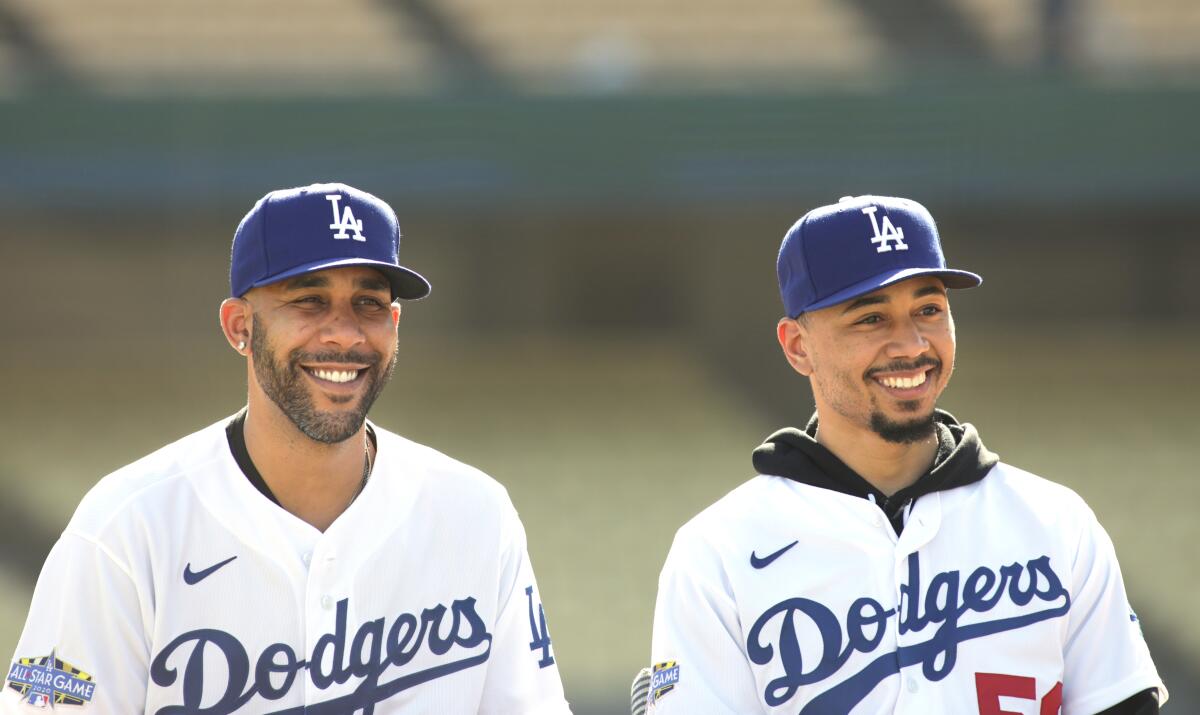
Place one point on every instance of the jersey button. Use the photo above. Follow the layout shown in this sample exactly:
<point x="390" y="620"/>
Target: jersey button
<point x="327" y="602"/>
<point x="307" y="558"/>
<point x="912" y="684"/>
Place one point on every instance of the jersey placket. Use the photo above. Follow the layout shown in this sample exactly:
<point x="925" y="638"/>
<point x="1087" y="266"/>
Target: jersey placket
<point x="881" y="536"/>
<point x="323" y="584"/>
<point x="332" y="561"/>
<point x="919" y="529"/>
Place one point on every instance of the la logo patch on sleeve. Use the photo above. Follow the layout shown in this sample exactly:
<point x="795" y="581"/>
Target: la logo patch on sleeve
<point x="46" y="681"/>
<point x="663" y="679"/>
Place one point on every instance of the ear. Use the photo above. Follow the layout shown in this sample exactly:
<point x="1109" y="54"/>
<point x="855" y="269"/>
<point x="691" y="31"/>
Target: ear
<point x="395" y="313"/>
<point x="235" y="317"/>
<point x="794" y="339"/>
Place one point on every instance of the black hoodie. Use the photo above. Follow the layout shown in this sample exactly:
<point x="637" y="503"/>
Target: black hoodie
<point x="961" y="459"/>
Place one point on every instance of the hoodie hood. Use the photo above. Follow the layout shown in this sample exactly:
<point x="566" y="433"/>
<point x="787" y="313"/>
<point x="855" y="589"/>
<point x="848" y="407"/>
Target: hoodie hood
<point x="795" y="454"/>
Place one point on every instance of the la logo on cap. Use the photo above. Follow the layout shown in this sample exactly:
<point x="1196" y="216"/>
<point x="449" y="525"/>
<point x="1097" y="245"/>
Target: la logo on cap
<point x="881" y="240"/>
<point x="347" y="223"/>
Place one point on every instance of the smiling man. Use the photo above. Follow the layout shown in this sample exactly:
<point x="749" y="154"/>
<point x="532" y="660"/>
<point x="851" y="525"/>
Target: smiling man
<point x="295" y="557"/>
<point x="883" y="560"/>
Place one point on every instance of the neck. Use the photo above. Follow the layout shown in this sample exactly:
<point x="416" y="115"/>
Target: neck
<point x="312" y="480"/>
<point x="887" y="466"/>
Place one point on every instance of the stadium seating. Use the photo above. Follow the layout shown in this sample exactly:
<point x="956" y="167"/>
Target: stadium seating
<point x="657" y="42"/>
<point x="328" y="47"/>
<point x="1147" y="34"/>
<point x="226" y="45"/>
<point x="1109" y="35"/>
<point x="1011" y="28"/>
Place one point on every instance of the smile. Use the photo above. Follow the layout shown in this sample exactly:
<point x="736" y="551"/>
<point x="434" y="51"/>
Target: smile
<point x="334" y="376"/>
<point x="908" y="384"/>
<point x="903" y="383"/>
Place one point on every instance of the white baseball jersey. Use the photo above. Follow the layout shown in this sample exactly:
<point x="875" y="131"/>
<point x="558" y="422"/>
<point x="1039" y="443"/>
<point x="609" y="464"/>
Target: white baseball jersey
<point x="1000" y="596"/>
<point x="178" y="588"/>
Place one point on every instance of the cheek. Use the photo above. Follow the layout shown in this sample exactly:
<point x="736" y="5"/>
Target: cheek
<point x="844" y="361"/>
<point x="835" y="378"/>
<point x="291" y="330"/>
<point x="384" y="339"/>
<point x="945" y="347"/>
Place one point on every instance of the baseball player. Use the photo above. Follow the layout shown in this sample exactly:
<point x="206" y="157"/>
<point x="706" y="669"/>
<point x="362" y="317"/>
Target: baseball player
<point x="884" y="560"/>
<point x="295" y="558"/>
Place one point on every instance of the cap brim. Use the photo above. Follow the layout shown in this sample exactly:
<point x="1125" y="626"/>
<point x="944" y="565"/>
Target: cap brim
<point x="406" y="283"/>
<point x="951" y="277"/>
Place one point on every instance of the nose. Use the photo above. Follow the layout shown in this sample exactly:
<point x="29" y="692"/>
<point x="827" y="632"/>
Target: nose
<point x="342" y="328"/>
<point x="907" y="340"/>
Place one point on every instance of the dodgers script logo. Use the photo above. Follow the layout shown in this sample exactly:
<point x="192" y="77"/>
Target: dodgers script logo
<point x="345" y="222"/>
<point x="375" y="647"/>
<point x="944" y="602"/>
<point x="889" y="237"/>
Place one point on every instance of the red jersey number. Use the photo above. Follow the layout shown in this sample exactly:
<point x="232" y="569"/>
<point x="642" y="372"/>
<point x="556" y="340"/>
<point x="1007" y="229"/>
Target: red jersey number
<point x="990" y="687"/>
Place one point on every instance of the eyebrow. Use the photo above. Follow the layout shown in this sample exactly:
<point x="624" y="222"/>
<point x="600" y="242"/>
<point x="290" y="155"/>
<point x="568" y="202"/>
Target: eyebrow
<point x="372" y="282"/>
<point x="877" y="298"/>
<point x="306" y="281"/>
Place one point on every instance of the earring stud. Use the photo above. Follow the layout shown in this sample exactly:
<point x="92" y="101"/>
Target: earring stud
<point x="242" y="345"/>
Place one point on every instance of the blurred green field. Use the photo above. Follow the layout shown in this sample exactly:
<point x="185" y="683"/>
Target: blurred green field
<point x="608" y="445"/>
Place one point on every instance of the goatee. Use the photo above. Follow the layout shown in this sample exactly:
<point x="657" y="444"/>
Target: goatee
<point x="902" y="432"/>
<point x="284" y="385"/>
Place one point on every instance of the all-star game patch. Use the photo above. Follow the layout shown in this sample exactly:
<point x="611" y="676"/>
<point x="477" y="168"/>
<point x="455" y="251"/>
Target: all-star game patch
<point x="663" y="679"/>
<point x="46" y="681"/>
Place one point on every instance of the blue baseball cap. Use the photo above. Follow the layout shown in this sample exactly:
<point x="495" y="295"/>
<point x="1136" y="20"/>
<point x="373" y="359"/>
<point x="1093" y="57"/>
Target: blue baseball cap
<point x="291" y="232"/>
<point x="858" y="245"/>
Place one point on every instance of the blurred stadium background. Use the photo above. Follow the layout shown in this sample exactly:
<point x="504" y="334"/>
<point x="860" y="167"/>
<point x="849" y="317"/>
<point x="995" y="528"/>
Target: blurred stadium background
<point x="597" y="190"/>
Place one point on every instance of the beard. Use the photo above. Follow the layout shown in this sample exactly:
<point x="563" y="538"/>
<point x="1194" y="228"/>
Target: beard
<point x="904" y="431"/>
<point x="284" y="385"/>
<point x="910" y="431"/>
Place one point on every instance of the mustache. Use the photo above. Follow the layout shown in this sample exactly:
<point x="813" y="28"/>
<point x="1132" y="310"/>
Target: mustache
<point x="901" y="366"/>
<point x="372" y="359"/>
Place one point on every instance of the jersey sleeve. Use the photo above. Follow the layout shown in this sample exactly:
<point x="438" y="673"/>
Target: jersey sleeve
<point x="1106" y="658"/>
<point x="86" y="614"/>
<point x="522" y="671"/>
<point x="699" y="663"/>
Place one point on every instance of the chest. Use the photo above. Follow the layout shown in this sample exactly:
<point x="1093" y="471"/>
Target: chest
<point x="331" y="623"/>
<point x="854" y="618"/>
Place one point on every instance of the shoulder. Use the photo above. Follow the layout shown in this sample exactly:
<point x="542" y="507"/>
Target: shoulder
<point x="1025" y="506"/>
<point x="142" y="484"/>
<point x="763" y="501"/>
<point x="1039" y="495"/>
<point x="442" y="476"/>
<point x="742" y="503"/>
<point x="757" y="512"/>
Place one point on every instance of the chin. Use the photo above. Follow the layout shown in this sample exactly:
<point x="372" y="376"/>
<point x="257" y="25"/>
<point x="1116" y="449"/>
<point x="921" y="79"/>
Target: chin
<point x="329" y="428"/>
<point x="907" y="430"/>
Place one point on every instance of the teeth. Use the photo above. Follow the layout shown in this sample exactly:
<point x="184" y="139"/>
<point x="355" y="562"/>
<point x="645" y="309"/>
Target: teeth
<point x="904" y="383"/>
<point x="336" y="375"/>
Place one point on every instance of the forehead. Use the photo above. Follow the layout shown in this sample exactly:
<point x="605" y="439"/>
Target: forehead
<point x="356" y="277"/>
<point x="903" y="291"/>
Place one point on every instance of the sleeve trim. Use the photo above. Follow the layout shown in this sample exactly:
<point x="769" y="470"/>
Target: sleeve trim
<point x="1114" y="694"/>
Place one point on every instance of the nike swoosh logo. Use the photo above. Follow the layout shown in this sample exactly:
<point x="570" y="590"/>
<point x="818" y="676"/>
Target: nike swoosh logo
<point x="765" y="561"/>
<point x="192" y="578"/>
